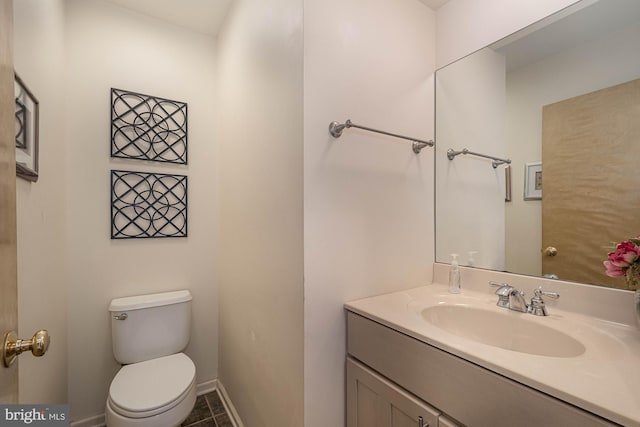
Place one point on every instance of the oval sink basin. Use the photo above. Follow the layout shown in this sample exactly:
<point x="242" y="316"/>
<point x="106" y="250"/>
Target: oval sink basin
<point x="509" y="330"/>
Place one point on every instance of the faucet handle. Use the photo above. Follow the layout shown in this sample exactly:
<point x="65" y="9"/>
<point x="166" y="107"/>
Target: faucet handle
<point x="539" y="293"/>
<point x="503" y="288"/>
<point x="537" y="306"/>
<point x="498" y="285"/>
<point x="503" y="293"/>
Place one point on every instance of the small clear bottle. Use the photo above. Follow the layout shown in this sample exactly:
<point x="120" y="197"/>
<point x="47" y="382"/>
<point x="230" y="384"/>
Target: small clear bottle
<point x="472" y="262"/>
<point x="454" y="275"/>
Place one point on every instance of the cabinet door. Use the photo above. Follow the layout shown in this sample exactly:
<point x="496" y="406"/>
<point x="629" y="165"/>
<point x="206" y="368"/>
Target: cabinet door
<point x="373" y="401"/>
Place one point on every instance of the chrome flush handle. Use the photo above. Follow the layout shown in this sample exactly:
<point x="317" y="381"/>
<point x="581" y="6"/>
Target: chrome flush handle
<point x="121" y="316"/>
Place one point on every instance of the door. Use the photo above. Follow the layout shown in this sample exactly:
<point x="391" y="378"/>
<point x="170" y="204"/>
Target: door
<point x="590" y="194"/>
<point x="373" y="401"/>
<point x="8" y="280"/>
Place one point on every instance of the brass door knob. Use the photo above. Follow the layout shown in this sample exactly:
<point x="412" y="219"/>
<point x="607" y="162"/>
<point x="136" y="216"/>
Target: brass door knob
<point x="550" y="251"/>
<point x="13" y="346"/>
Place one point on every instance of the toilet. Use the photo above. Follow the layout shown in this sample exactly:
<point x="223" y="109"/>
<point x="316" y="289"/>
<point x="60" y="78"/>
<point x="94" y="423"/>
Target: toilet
<point x="156" y="385"/>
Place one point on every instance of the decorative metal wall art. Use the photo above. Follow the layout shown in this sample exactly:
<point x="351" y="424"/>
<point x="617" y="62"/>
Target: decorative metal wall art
<point x="21" y="124"/>
<point x="146" y="127"/>
<point x="26" y="113"/>
<point x="148" y="205"/>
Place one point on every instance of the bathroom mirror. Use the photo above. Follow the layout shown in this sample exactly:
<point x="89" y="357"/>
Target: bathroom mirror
<point x="560" y="99"/>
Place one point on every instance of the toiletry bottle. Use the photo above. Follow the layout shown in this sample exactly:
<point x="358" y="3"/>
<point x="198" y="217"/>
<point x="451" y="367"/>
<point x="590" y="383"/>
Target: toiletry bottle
<point x="454" y="275"/>
<point x="471" y="262"/>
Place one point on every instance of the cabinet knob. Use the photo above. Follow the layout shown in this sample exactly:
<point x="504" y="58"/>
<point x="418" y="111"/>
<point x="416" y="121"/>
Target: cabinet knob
<point x="550" y="251"/>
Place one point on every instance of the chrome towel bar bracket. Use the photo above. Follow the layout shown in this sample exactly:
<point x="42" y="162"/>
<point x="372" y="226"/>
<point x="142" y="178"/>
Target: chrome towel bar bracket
<point x="495" y="161"/>
<point x="335" y="129"/>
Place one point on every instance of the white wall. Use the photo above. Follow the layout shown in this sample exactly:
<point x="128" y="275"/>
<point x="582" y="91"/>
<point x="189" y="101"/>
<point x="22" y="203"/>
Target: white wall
<point x="41" y="206"/>
<point x="464" y="26"/>
<point x="108" y="46"/>
<point x="471" y="110"/>
<point x="368" y="207"/>
<point x="585" y="68"/>
<point x="259" y="165"/>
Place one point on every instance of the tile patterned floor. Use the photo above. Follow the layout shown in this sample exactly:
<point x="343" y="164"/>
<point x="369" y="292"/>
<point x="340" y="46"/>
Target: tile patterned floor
<point x="208" y="412"/>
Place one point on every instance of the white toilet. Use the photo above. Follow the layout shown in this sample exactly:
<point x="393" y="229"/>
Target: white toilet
<point x="156" y="386"/>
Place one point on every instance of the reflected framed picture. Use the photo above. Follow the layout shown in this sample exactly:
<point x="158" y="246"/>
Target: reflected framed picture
<point x="27" y="111"/>
<point x="533" y="181"/>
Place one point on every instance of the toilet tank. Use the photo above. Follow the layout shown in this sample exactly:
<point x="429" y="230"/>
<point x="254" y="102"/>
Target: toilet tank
<point x="146" y="327"/>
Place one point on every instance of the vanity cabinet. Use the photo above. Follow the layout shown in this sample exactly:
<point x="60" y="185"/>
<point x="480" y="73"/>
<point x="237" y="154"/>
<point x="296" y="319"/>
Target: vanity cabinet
<point x="373" y="401"/>
<point x="429" y="378"/>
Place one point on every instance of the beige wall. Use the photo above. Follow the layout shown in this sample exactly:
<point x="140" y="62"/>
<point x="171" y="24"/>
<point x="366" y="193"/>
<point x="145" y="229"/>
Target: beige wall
<point x="108" y="46"/>
<point x="368" y="198"/>
<point x="259" y="166"/>
<point x="41" y="206"/>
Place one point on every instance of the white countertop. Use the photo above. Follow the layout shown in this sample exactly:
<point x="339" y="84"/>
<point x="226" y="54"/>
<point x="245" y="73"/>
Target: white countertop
<point x="604" y="380"/>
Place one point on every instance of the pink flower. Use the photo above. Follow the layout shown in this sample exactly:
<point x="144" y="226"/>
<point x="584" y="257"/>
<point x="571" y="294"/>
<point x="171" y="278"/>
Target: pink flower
<point x="613" y="270"/>
<point x="626" y="253"/>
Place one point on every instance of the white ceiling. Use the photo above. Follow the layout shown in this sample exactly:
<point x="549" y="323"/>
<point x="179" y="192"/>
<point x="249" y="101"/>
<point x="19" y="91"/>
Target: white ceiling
<point x="434" y="4"/>
<point x="204" y="16"/>
<point x="554" y="35"/>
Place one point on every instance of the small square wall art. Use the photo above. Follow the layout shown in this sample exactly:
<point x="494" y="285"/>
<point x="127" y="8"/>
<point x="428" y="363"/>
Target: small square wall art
<point x="147" y="205"/>
<point x="146" y="127"/>
<point x="27" y="128"/>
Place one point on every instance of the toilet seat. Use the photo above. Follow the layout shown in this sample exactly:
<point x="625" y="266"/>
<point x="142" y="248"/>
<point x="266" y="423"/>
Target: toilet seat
<point x="148" y="388"/>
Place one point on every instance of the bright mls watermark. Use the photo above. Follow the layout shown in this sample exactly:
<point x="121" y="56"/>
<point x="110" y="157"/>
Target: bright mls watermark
<point x="34" y="415"/>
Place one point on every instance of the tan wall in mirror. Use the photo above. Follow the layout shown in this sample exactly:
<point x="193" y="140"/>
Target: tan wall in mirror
<point x="590" y="197"/>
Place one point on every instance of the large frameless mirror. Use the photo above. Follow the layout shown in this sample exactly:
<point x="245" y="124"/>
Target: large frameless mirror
<point x="559" y="101"/>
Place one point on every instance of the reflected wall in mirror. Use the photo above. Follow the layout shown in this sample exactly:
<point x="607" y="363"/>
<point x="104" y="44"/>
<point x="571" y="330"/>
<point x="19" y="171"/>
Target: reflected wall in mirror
<point x="564" y="92"/>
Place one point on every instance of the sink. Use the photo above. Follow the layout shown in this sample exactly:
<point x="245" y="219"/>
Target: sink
<point x="508" y="330"/>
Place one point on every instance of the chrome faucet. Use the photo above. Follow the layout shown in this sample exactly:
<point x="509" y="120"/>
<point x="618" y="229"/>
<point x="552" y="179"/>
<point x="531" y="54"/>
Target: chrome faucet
<point x="513" y="299"/>
<point x="537" y="306"/>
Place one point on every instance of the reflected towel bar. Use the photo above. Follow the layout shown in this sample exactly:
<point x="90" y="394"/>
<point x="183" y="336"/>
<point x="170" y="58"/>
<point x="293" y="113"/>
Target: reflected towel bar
<point x="335" y="129"/>
<point x="496" y="161"/>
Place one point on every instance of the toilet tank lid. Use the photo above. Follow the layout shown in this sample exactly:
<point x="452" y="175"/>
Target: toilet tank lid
<point x="151" y="300"/>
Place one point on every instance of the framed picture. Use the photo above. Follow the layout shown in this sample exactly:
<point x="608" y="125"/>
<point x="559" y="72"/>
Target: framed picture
<point x="26" y="131"/>
<point x="533" y="181"/>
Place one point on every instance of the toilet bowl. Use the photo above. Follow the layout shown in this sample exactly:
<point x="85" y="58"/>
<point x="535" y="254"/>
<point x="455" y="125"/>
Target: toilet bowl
<point x="156" y="385"/>
<point x="154" y="393"/>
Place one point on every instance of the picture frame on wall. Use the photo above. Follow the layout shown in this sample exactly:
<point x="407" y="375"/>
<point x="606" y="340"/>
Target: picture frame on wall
<point x="533" y="181"/>
<point x="27" y="129"/>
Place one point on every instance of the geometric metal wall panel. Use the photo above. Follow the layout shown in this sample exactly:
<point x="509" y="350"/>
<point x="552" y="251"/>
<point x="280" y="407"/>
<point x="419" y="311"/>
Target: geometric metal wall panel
<point x="148" y="205"/>
<point x="21" y="124"/>
<point x="146" y="127"/>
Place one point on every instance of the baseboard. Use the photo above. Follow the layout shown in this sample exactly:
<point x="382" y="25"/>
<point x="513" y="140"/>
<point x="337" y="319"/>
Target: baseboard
<point x="206" y="387"/>
<point x="95" y="421"/>
<point x="228" y="405"/>
<point x="99" y="420"/>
